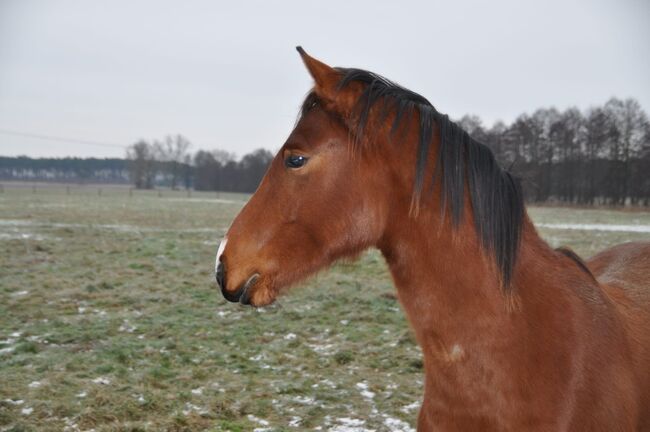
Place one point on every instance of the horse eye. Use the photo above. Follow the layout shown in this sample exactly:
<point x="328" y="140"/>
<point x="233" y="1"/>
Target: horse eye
<point x="295" y="161"/>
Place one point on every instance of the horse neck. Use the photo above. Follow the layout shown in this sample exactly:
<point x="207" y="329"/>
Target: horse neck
<point x="451" y="290"/>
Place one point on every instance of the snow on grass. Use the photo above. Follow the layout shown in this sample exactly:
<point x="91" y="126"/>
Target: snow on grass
<point x="257" y="420"/>
<point x="190" y="407"/>
<point x="102" y="381"/>
<point x="410" y="407"/>
<point x="304" y="400"/>
<point x="347" y="424"/>
<point x="126" y="327"/>
<point x="9" y="341"/>
<point x="596" y="227"/>
<point x="206" y="200"/>
<point x="397" y="425"/>
<point x="363" y="390"/>
<point x="7" y="350"/>
<point x="123" y="228"/>
<point x="323" y="349"/>
<point x="21" y="236"/>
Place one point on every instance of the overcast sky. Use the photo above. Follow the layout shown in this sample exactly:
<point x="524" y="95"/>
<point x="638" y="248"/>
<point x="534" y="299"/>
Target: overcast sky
<point x="226" y="74"/>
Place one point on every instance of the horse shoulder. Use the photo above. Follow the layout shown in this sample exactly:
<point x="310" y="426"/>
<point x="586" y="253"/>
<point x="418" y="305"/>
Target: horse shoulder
<point x="624" y="274"/>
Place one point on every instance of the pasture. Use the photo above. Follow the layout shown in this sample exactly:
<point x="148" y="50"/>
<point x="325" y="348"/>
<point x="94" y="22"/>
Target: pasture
<point x="110" y="320"/>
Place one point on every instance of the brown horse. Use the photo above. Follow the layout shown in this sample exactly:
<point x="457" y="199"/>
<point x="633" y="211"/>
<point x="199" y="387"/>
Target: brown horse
<point x="516" y="336"/>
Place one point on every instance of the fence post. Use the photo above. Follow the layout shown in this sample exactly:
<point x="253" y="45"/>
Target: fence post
<point x="159" y="193"/>
<point x="130" y="192"/>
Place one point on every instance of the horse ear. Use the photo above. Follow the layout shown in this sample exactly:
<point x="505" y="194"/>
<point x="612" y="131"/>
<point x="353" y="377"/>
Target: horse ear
<point x="326" y="77"/>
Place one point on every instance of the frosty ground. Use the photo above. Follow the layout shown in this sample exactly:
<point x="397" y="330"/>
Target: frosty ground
<point x="110" y="320"/>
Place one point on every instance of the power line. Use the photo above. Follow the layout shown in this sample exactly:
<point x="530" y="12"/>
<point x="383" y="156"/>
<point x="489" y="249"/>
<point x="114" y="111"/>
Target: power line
<point x="59" y="138"/>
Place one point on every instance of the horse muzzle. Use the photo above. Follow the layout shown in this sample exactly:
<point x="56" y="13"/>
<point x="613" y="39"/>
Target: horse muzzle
<point x="242" y="294"/>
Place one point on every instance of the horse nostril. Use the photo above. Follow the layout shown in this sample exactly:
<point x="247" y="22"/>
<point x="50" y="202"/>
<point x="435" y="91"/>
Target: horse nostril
<point x="221" y="276"/>
<point x="221" y="281"/>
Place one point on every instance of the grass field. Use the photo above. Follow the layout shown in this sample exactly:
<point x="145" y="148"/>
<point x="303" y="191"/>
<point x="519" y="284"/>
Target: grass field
<point x="110" y="320"/>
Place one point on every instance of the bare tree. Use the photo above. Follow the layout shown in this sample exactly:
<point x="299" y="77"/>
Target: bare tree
<point x="172" y="152"/>
<point x="141" y="158"/>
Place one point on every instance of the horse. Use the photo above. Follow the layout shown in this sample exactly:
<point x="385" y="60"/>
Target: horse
<point x="514" y="334"/>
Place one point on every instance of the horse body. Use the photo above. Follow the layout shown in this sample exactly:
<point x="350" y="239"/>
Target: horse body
<point x="558" y="355"/>
<point x="515" y="335"/>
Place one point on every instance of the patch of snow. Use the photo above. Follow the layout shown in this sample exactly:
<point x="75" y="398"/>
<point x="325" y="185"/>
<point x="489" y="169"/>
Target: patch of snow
<point x="257" y="420"/>
<point x="347" y="424"/>
<point x="19" y="293"/>
<point x="21" y="236"/>
<point x="14" y="402"/>
<point x="27" y="411"/>
<point x="397" y="425"/>
<point x="127" y="327"/>
<point x="197" y="391"/>
<point x="191" y="407"/>
<point x="15" y="334"/>
<point x="324" y="349"/>
<point x="328" y="383"/>
<point x="111" y="227"/>
<point x="290" y="336"/>
<point x="206" y="200"/>
<point x="82" y="394"/>
<point x="7" y="350"/>
<point x="295" y="421"/>
<point x="363" y="389"/>
<point x="410" y="407"/>
<point x="305" y="400"/>
<point x="102" y="381"/>
<point x="596" y="227"/>
<point x="35" y="384"/>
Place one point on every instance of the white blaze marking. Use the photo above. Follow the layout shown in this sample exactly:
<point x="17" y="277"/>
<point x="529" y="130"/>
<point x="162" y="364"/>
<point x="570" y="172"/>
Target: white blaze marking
<point x="222" y="246"/>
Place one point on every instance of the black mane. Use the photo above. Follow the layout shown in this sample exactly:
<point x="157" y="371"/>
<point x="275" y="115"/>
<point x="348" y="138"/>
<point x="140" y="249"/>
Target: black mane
<point x="496" y="196"/>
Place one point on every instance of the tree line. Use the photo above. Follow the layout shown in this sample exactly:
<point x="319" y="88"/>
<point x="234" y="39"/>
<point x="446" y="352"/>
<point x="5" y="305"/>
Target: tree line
<point x="599" y="156"/>
<point x="70" y="170"/>
<point x="169" y="163"/>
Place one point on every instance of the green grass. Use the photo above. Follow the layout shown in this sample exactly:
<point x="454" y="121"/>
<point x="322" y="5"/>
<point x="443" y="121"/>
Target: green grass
<point x="110" y="320"/>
